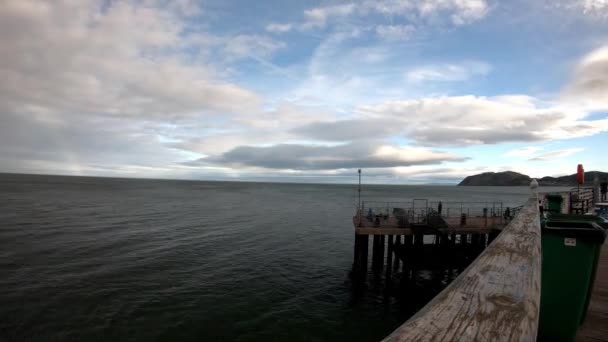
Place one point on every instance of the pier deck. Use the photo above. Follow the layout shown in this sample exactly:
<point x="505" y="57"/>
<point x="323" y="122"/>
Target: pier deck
<point x="595" y="327"/>
<point x="390" y="226"/>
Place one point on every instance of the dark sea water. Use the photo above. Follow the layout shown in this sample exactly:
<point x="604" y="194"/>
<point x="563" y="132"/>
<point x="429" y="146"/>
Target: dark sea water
<point x="86" y="259"/>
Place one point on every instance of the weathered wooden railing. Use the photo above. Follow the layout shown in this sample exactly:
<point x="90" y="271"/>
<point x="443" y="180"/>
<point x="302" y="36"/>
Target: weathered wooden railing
<point x="496" y="298"/>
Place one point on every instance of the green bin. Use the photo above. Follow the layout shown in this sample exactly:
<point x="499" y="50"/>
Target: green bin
<point x="574" y="217"/>
<point x="554" y="203"/>
<point x="570" y="253"/>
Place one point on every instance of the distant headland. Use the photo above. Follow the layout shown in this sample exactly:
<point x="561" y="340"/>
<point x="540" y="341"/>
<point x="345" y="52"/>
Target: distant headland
<point x="511" y="178"/>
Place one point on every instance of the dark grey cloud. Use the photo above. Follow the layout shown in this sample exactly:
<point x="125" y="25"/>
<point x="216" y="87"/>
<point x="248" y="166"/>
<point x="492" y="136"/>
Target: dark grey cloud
<point x="306" y="157"/>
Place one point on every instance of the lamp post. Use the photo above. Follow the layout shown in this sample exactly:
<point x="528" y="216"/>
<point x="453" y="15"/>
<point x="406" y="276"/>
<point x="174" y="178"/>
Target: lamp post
<point x="359" y="190"/>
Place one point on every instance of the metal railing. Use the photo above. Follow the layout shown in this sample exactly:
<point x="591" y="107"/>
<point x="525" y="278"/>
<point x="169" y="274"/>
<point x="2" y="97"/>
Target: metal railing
<point x="575" y="201"/>
<point x="419" y="210"/>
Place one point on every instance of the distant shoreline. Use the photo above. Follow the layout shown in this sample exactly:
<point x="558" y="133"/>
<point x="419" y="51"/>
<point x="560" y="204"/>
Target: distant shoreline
<point x="511" y="178"/>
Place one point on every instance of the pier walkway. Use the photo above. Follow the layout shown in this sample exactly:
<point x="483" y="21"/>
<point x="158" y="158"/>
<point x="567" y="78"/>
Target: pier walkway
<point x="595" y="327"/>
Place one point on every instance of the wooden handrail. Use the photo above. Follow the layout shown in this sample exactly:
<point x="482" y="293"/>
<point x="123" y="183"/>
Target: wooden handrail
<point x="497" y="298"/>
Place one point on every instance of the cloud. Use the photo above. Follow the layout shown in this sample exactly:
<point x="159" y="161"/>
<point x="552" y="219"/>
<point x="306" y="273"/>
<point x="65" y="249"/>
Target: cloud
<point x="123" y="59"/>
<point x="90" y="83"/>
<point x="414" y="13"/>
<point x="448" y="72"/>
<point x="42" y="143"/>
<point x="255" y="46"/>
<point x="531" y="153"/>
<point x="348" y="130"/>
<point x="471" y="120"/>
<point x="317" y="17"/>
<point x="458" y="121"/>
<point x="279" y="28"/>
<point x="395" y="32"/>
<point x="523" y="152"/>
<point x="144" y="85"/>
<point x="317" y="157"/>
<point x="552" y="155"/>
<point x="597" y="7"/>
<point x="589" y="84"/>
<point x="592" y="8"/>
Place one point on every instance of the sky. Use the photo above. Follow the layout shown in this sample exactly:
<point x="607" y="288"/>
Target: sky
<point x="411" y="91"/>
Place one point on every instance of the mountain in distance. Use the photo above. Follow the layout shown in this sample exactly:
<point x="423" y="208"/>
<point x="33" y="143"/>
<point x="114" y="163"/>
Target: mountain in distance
<point x="511" y="178"/>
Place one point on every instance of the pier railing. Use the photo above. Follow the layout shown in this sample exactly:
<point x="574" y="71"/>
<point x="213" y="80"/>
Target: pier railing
<point x="496" y="298"/>
<point x="575" y="201"/>
<point x="418" y="210"/>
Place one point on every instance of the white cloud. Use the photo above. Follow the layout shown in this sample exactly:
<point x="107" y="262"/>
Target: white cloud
<point x="459" y="12"/>
<point x="589" y="84"/>
<point x="552" y="155"/>
<point x="523" y="152"/>
<point x="595" y="7"/>
<point x="317" y="17"/>
<point x="395" y="32"/>
<point x="448" y="72"/>
<point x="123" y="59"/>
<point x="531" y="153"/>
<point x="415" y="13"/>
<point x="461" y="121"/>
<point x="254" y="46"/>
<point x="279" y="28"/>
<point x="594" y="10"/>
<point x="141" y="86"/>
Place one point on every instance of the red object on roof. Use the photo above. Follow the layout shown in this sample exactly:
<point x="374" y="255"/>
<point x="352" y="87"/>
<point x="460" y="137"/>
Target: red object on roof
<point x="580" y="174"/>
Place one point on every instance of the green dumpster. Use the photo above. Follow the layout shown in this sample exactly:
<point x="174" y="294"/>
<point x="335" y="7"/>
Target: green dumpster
<point x="573" y="217"/>
<point x="570" y="253"/>
<point x="554" y="203"/>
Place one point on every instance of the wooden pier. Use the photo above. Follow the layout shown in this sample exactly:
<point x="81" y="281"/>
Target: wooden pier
<point x="497" y="297"/>
<point x="595" y="327"/>
<point x="403" y="237"/>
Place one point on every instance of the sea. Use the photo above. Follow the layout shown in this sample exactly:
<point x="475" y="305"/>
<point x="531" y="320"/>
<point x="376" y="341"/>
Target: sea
<point x="109" y="259"/>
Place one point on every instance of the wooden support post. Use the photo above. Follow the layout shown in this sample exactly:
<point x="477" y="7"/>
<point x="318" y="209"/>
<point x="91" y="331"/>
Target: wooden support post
<point x="364" y="249"/>
<point x="493" y="234"/>
<point x="357" y="253"/>
<point x="389" y="259"/>
<point x="417" y="252"/>
<point x="397" y="245"/>
<point x="407" y="254"/>
<point x="484" y="241"/>
<point x="382" y="248"/>
<point x="375" y="252"/>
<point x="475" y="243"/>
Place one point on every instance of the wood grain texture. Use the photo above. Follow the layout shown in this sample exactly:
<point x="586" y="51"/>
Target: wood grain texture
<point x="497" y="298"/>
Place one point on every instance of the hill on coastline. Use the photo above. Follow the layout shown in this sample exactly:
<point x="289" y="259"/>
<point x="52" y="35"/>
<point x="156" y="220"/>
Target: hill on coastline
<point x="511" y="178"/>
